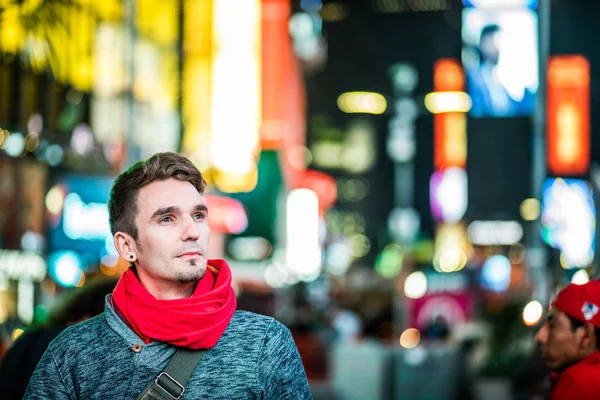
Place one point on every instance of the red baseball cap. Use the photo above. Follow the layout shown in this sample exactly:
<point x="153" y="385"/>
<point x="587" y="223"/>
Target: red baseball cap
<point x="581" y="302"/>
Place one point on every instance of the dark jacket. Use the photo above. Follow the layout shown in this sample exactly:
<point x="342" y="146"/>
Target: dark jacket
<point x="256" y="358"/>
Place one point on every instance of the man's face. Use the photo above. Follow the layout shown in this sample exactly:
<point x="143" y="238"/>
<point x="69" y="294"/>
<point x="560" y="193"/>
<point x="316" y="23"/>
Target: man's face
<point x="173" y="232"/>
<point x="560" y="346"/>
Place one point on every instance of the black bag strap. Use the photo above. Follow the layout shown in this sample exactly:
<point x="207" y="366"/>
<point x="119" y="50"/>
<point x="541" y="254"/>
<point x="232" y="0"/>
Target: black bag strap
<point x="170" y="384"/>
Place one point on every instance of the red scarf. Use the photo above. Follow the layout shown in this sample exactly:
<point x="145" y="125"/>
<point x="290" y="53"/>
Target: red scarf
<point x="195" y="322"/>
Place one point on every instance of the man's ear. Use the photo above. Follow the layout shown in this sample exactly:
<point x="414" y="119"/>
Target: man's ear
<point x="126" y="246"/>
<point x="588" y="337"/>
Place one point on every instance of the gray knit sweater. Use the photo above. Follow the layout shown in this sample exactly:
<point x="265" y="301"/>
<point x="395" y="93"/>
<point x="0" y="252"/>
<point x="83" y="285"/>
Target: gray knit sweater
<point x="256" y="358"/>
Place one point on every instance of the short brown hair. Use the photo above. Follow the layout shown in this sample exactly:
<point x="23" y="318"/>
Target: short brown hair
<point x="122" y="206"/>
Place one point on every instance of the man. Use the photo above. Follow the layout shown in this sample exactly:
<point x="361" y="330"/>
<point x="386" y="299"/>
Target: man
<point x="489" y="96"/>
<point x="172" y="296"/>
<point x="570" y="342"/>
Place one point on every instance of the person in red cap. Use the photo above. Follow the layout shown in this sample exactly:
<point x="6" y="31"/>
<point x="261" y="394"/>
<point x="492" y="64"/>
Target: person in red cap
<point x="570" y="342"/>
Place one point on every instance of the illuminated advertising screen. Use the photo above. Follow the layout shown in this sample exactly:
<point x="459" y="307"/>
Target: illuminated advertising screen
<point x="78" y="216"/>
<point x="500" y="4"/>
<point x="500" y="60"/>
<point x="569" y="220"/>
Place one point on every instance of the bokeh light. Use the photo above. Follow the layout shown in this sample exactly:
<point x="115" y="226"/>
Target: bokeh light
<point x="532" y="313"/>
<point x="410" y="338"/>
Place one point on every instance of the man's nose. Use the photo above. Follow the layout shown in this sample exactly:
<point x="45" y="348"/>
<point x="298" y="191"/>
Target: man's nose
<point x="542" y="334"/>
<point x="190" y="230"/>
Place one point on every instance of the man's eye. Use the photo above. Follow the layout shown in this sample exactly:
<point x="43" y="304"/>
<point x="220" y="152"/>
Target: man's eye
<point x="165" y="219"/>
<point x="200" y="216"/>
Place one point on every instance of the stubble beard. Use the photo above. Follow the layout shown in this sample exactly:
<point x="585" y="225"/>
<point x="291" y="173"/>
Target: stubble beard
<point x="196" y="271"/>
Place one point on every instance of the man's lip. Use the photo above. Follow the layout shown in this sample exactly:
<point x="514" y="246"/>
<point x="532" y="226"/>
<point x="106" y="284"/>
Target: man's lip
<point x="190" y="253"/>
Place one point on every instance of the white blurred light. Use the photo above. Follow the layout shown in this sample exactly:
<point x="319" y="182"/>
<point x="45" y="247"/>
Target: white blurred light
<point x="25" y="301"/>
<point x="339" y="258"/>
<point x="495" y="232"/>
<point x="532" y="313"/>
<point x="360" y="148"/>
<point x="109" y="260"/>
<point x="67" y="269"/>
<point x="15" y="144"/>
<point x="54" y="154"/>
<point x="82" y="139"/>
<point x="415" y="285"/>
<point x="55" y="200"/>
<point x="405" y="77"/>
<point x="235" y="86"/>
<point x="301" y="25"/>
<point x="401" y="145"/>
<point x="86" y="221"/>
<point x="20" y="265"/>
<point x="275" y="277"/>
<point x="250" y="248"/>
<point x="303" y="251"/>
<point x="404" y="224"/>
<point x="449" y="194"/>
<point x="444" y="102"/>
<point x="569" y="219"/>
<point x="32" y="241"/>
<point x="35" y="123"/>
<point x="580" y="277"/>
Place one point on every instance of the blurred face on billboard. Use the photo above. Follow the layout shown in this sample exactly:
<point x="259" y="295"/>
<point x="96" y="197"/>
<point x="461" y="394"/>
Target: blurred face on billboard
<point x="489" y="45"/>
<point x="500" y="60"/>
<point x="561" y="345"/>
<point x="173" y="235"/>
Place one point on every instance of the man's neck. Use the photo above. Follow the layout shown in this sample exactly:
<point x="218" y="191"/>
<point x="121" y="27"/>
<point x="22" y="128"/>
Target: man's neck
<point x="166" y="290"/>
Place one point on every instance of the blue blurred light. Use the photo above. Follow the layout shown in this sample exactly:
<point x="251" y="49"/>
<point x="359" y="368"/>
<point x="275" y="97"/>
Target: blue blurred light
<point x="495" y="273"/>
<point x="66" y="268"/>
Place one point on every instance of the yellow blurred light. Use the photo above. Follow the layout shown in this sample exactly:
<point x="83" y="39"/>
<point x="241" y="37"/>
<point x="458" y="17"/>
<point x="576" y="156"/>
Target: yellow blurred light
<point x="4" y="143"/>
<point x="360" y="245"/>
<point x="12" y="33"/>
<point x="530" y="209"/>
<point x="444" y="102"/>
<point x="415" y="285"/>
<point x="55" y="200"/>
<point x="580" y="277"/>
<point x="532" y="313"/>
<point x="158" y="21"/>
<point x="16" y="333"/>
<point x="197" y="92"/>
<point x="300" y="157"/>
<point x="410" y="338"/>
<point x="333" y="12"/>
<point x="81" y="281"/>
<point x="108" y="270"/>
<point x="450" y="260"/>
<point x="2" y="136"/>
<point x="234" y="183"/>
<point x="362" y="102"/>
<point x="516" y="254"/>
<point x="32" y="140"/>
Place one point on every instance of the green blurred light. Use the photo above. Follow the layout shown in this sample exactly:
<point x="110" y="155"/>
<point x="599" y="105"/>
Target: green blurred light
<point x="389" y="262"/>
